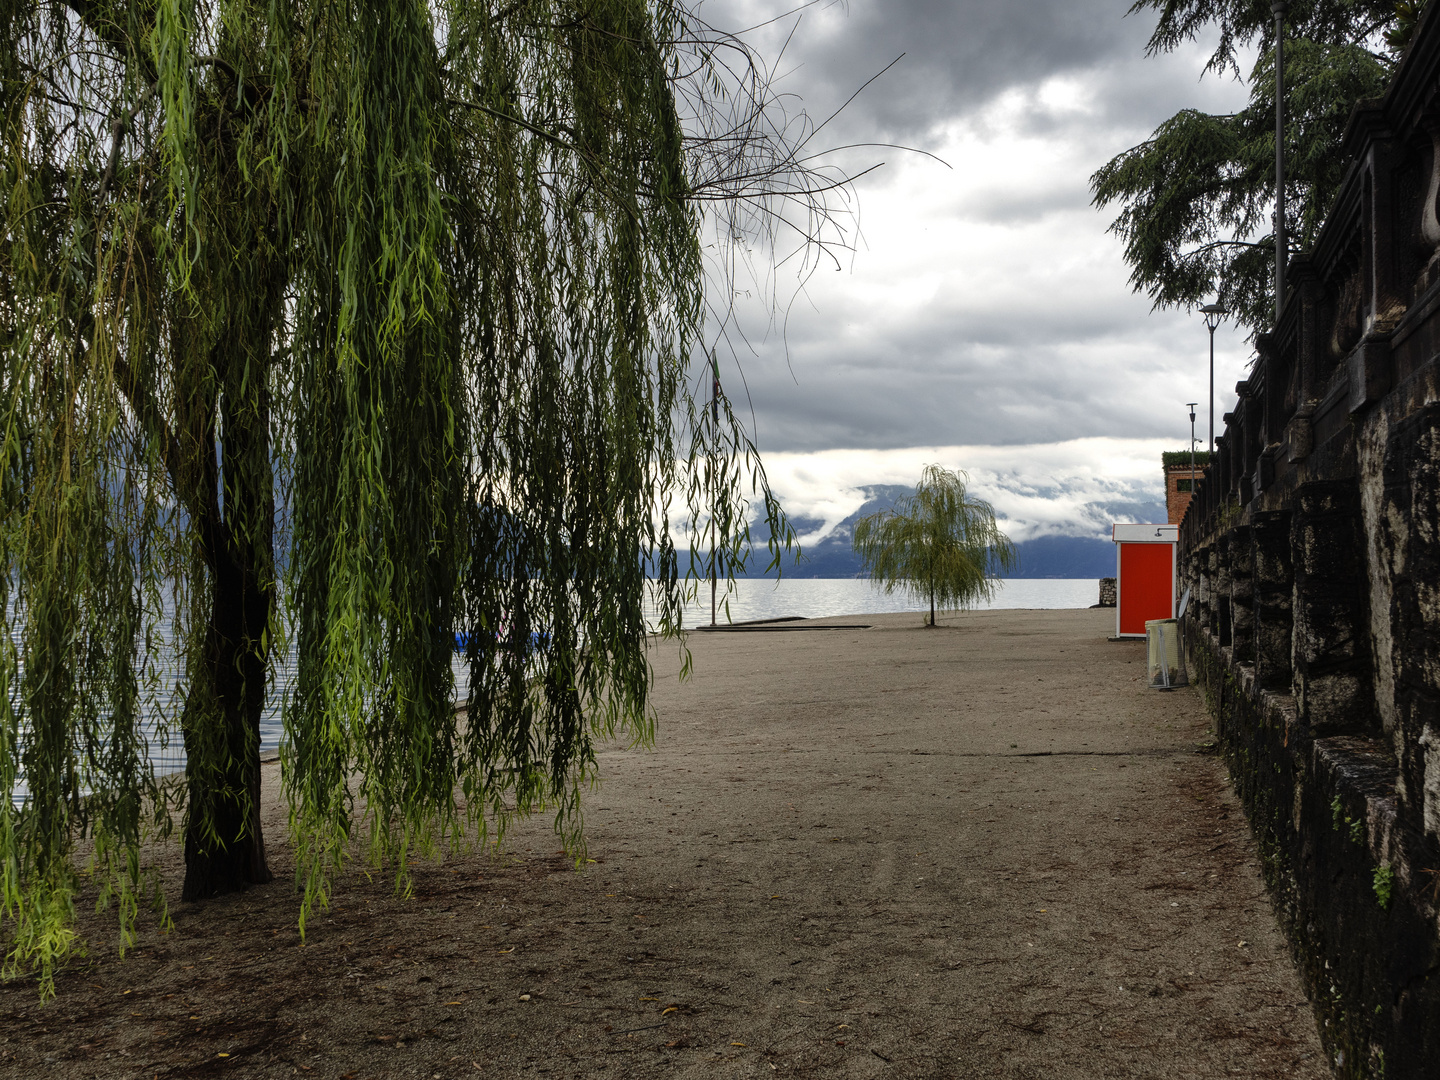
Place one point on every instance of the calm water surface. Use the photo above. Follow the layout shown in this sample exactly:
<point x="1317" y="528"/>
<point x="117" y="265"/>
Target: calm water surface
<point x="754" y="598"/>
<point x="814" y="598"/>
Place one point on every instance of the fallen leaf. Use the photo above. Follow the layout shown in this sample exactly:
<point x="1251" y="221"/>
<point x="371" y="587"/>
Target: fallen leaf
<point x="222" y="1055"/>
<point x="669" y="1010"/>
<point x="737" y="1044"/>
<point x="452" y="1003"/>
<point x="511" y="949"/>
<point x="524" y="997"/>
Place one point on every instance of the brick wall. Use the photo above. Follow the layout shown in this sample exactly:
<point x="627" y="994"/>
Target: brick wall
<point x="1177" y="490"/>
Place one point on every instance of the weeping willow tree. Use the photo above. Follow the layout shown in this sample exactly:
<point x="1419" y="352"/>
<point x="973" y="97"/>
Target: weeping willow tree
<point x="345" y="329"/>
<point x="941" y="544"/>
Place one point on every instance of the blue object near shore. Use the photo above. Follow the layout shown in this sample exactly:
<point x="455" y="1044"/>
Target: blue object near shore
<point x="537" y="641"/>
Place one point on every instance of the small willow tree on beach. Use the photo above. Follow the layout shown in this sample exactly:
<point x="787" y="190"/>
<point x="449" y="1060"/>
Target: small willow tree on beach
<point x="940" y="544"/>
<point x="342" y="328"/>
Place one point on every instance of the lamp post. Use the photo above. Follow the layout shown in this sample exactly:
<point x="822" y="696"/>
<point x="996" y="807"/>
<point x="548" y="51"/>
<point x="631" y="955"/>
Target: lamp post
<point x="715" y="434"/>
<point x="1191" y="405"/>
<point x="1278" y="8"/>
<point x="1213" y="314"/>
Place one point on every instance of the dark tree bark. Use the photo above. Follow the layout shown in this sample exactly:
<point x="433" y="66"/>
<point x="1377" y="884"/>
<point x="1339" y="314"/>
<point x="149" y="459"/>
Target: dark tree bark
<point x="224" y="844"/>
<point x="231" y="856"/>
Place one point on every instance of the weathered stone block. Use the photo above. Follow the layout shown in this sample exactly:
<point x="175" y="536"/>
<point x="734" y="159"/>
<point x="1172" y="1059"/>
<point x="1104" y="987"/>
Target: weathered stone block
<point x="1333" y="670"/>
<point x="1369" y="372"/>
<point x="1409" y="544"/>
<point x="1270" y="536"/>
<point x="1107" y="592"/>
<point x="1242" y="595"/>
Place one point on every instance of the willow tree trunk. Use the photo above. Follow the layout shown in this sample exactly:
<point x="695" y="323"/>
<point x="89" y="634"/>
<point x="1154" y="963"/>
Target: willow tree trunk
<point x="224" y="845"/>
<point x="225" y="849"/>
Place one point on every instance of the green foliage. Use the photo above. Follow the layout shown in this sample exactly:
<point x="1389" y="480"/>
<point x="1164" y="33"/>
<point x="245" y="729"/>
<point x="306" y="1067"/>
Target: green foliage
<point x="1197" y="198"/>
<point x="346" y="327"/>
<point x="1354" y="827"/>
<point x="1238" y="23"/>
<point x="1407" y="19"/>
<point x="1182" y="457"/>
<point x="940" y="544"/>
<point x="1383" y="884"/>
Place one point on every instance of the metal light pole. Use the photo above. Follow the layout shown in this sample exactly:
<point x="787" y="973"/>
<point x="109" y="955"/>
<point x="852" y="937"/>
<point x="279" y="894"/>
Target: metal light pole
<point x="1213" y="314"/>
<point x="1191" y="405"/>
<point x="1278" y="9"/>
<point x="714" y="434"/>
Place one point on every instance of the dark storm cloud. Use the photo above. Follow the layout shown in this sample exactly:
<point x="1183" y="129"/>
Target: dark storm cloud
<point x="957" y="55"/>
<point x="1044" y="369"/>
<point x="985" y="308"/>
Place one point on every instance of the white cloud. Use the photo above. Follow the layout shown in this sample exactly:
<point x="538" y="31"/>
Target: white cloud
<point x="986" y="320"/>
<point x="1073" y="488"/>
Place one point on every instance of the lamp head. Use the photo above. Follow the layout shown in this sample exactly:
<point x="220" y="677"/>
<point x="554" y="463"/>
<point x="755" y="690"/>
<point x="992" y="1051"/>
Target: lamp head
<point x="1213" y="314"/>
<point x="1192" y="411"/>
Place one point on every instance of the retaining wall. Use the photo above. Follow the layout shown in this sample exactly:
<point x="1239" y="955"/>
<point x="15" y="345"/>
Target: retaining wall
<point x="1312" y="550"/>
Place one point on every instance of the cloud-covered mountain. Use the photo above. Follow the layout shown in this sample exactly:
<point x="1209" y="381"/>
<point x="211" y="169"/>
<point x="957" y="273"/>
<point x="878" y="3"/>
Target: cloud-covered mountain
<point x="826" y="550"/>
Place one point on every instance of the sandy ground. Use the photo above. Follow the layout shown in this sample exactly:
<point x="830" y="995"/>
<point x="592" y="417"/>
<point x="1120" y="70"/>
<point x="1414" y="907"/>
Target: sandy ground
<point x="983" y="850"/>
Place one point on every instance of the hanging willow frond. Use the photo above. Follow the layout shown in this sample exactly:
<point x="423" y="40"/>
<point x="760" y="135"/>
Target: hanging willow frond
<point x="340" y="328"/>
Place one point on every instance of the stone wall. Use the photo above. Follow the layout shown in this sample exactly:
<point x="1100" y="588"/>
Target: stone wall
<point x="1107" y="592"/>
<point x="1312" y="548"/>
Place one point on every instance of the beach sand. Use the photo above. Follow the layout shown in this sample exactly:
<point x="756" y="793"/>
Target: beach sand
<point x="980" y="850"/>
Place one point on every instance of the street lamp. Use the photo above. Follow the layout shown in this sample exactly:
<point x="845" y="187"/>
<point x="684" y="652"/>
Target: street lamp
<point x="1213" y="314"/>
<point x="1191" y="404"/>
<point x="715" y="435"/>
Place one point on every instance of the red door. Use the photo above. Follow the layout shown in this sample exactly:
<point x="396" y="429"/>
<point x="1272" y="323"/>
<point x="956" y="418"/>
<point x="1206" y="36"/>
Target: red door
<point x="1147" y="585"/>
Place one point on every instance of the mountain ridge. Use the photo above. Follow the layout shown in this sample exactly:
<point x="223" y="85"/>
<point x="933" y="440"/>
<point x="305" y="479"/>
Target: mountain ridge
<point x="1051" y="555"/>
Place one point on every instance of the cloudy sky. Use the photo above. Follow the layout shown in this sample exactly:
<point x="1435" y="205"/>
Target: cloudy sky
<point x="984" y="320"/>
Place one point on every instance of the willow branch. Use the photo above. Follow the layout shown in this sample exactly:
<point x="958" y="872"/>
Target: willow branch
<point x="122" y="125"/>
<point x="204" y="511"/>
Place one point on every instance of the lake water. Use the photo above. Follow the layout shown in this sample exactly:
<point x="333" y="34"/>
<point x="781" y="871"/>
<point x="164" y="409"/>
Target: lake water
<point x="754" y="598"/>
<point x="815" y="598"/>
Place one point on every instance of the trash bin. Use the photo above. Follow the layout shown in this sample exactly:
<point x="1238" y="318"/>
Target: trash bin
<point x="1166" y="660"/>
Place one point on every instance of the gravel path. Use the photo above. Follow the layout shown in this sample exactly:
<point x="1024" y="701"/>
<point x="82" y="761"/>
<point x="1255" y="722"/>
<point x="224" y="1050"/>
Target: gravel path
<point x="982" y="850"/>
